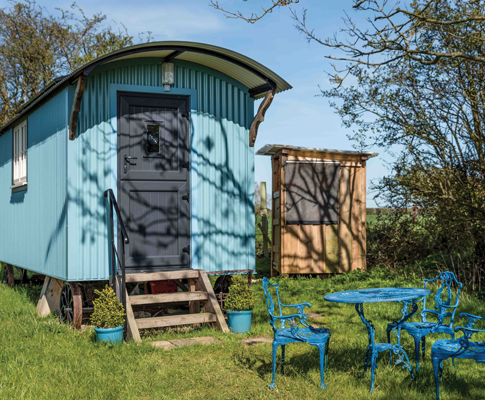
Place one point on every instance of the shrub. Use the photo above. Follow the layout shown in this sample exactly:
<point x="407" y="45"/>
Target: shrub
<point x="240" y="297"/>
<point x="396" y="240"/>
<point x="108" y="312"/>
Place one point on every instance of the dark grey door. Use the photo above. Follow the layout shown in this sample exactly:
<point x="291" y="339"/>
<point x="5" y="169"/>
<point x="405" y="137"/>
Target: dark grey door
<point x="153" y="180"/>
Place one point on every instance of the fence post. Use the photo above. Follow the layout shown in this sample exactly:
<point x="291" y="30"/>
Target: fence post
<point x="264" y="218"/>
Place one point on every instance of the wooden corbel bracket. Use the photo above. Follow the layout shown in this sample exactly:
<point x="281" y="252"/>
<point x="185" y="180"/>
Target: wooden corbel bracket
<point x="253" y="131"/>
<point x="76" y="106"/>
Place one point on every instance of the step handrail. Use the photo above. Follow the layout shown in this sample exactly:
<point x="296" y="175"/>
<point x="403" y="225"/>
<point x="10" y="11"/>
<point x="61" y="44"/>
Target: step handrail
<point x="109" y="194"/>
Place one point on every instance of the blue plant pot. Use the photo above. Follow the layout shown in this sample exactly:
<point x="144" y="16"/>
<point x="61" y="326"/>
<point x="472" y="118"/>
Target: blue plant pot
<point x="110" y="335"/>
<point x="240" y="321"/>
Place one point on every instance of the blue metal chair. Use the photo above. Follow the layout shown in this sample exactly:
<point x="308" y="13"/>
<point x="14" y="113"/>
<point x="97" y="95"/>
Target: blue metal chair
<point x="294" y="333"/>
<point x="461" y="348"/>
<point x="443" y="309"/>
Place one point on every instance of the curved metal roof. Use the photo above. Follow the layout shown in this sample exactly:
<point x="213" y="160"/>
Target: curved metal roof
<point x="245" y="70"/>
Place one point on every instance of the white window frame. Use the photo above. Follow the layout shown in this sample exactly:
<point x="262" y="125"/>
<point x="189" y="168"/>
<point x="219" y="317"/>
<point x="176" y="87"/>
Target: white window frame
<point x="19" y="154"/>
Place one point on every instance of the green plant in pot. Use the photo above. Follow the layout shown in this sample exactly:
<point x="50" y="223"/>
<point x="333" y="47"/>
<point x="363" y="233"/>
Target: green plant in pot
<point x="108" y="316"/>
<point x="239" y="305"/>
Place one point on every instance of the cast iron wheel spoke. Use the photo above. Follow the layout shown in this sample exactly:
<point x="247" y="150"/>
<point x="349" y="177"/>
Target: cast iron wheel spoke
<point x="66" y="311"/>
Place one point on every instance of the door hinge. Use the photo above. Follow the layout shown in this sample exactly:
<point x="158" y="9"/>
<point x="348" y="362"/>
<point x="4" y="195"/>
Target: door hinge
<point x="186" y="196"/>
<point x="186" y="249"/>
<point x="186" y="115"/>
<point x="186" y="165"/>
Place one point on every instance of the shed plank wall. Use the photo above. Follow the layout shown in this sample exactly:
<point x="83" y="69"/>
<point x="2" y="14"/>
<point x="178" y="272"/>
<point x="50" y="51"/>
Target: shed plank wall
<point x="224" y="171"/>
<point x="33" y="222"/>
<point x="319" y="249"/>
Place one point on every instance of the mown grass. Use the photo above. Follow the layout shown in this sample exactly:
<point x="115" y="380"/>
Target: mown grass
<point x="41" y="359"/>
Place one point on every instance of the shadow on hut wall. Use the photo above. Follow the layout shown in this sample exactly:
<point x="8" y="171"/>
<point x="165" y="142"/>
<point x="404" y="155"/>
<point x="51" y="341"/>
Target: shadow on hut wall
<point x="219" y="167"/>
<point x="312" y="200"/>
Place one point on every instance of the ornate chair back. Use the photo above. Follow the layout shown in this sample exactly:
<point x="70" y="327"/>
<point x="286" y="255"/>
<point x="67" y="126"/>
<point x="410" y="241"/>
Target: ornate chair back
<point x="445" y="303"/>
<point x="270" y="303"/>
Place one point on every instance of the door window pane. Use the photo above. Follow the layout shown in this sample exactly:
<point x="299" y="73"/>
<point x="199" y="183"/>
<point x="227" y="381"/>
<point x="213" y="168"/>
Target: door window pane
<point x="153" y="138"/>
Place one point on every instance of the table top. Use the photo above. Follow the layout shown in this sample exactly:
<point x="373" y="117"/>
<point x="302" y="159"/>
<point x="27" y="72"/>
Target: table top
<point x="377" y="295"/>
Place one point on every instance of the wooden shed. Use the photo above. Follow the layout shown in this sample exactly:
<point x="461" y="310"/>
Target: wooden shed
<point x="136" y="167"/>
<point x="318" y="209"/>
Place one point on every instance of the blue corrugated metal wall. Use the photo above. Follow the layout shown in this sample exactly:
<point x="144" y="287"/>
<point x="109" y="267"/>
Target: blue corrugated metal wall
<point x="33" y="222"/>
<point x="222" y="179"/>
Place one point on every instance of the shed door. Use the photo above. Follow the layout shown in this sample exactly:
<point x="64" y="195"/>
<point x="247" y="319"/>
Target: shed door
<point x="153" y="180"/>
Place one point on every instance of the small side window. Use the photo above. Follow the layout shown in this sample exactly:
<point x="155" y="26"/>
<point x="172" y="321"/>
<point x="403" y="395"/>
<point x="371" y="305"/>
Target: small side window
<point x="19" y="156"/>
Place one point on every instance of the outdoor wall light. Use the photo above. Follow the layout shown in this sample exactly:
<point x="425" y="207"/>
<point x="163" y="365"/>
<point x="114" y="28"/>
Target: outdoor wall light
<point x="167" y="76"/>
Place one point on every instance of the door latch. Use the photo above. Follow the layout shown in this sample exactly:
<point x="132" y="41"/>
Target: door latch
<point x="186" y="249"/>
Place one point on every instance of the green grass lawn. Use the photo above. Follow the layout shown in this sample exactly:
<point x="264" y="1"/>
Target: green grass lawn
<point x="41" y="359"/>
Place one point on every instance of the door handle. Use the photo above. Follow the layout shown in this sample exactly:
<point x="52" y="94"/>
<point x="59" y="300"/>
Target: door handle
<point x="186" y="249"/>
<point x="128" y="158"/>
<point x="127" y="161"/>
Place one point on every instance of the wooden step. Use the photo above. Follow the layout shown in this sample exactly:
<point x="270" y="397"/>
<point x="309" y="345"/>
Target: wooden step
<point x="177" y="297"/>
<point x="162" y="276"/>
<point x="173" y="320"/>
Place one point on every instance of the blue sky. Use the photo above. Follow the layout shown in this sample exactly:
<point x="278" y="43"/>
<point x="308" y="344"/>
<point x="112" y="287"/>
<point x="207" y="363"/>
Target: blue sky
<point x="296" y="117"/>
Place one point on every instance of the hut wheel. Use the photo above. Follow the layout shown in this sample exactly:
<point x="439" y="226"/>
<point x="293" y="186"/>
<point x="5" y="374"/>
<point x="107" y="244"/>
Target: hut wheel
<point x="8" y="275"/>
<point x="71" y="305"/>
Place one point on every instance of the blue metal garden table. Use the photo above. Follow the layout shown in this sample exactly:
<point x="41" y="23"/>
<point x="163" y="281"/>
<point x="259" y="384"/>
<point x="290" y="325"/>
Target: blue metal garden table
<point x="406" y="296"/>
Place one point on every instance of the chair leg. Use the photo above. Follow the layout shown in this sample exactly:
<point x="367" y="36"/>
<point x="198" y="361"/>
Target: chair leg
<point x="436" y="368"/>
<point x="453" y="359"/>
<point x="366" y="361"/>
<point x="373" y="365"/>
<point x="322" y="349"/>
<point x="417" y="342"/>
<point x="423" y="347"/>
<point x="275" y="350"/>
<point x="389" y="341"/>
<point x="326" y="357"/>
<point x="283" y="347"/>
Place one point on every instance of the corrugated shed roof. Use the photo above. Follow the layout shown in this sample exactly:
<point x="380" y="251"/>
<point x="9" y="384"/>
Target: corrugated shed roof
<point x="270" y="149"/>
<point x="245" y="70"/>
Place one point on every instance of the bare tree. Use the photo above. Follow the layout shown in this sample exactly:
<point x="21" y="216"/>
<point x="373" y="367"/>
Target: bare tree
<point x="36" y="47"/>
<point x="254" y="16"/>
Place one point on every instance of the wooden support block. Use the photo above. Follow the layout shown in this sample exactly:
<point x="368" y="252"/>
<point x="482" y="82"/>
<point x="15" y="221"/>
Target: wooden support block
<point x="212" y="306"/>
<point x="49" y="296"/>
<point x="132" y="332"/>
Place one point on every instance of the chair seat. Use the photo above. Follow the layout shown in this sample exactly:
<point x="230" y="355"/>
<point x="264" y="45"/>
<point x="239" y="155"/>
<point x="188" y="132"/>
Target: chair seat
<point x="425" y="328"/>
<point x="312" y="335"/>
<point x="383" y="346"/>
<point x="445" y="348"/>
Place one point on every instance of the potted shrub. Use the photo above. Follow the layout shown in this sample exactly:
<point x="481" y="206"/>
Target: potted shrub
<point x="239" y="305"/>
<point x="108" y="316"/>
